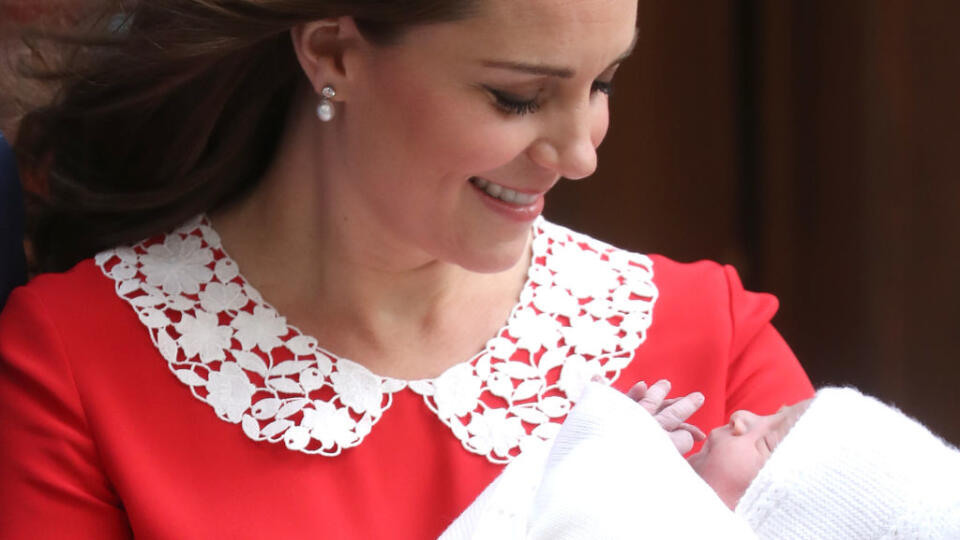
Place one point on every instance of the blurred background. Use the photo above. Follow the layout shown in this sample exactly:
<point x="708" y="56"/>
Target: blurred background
<point x="815" y="145"/>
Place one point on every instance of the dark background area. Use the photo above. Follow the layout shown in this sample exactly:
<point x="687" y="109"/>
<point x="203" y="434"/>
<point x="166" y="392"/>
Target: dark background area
<point x="815" y="145"/>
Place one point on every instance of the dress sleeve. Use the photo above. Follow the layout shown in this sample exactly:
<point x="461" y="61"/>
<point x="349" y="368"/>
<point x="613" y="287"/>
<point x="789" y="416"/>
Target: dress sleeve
<point x="52" y="484"/>
<point x="763" y="372"/>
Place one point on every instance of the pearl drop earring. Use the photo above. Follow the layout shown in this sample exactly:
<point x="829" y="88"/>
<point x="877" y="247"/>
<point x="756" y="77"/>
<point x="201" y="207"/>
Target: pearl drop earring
<point x="325" y="110"/>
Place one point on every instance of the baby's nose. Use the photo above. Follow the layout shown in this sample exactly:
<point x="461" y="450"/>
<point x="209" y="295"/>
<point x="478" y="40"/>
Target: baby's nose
<point x="740" y="421"/>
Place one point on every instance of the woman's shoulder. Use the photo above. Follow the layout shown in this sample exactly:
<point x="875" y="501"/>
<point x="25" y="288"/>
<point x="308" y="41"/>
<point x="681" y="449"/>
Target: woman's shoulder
<point x="701" y="282"/>
<point x="81" y="284"/>
<point x="697" y="325"/>
<point x="110" y="278"/>
<point x="706" y="282"/>
<point x="74" y="304"/>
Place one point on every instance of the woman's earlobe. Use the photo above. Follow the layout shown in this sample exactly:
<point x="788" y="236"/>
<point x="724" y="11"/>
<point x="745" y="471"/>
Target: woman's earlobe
<point x="325" y="110"/>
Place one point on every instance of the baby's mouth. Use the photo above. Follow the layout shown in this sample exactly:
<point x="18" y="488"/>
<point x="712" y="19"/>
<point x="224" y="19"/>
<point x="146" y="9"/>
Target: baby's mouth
<point x="503" y="193"/>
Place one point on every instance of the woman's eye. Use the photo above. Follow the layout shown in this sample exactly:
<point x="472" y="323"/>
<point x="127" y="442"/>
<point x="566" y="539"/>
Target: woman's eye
<point x="604" y="87"/>
<point x="518" y="106"/>
<point x="513" y="104"/>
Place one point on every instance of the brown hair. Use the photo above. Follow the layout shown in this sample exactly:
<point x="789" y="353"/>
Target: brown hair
<point x="171" y="108"/>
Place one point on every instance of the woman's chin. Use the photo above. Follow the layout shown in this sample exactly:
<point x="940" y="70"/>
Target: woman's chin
<point x="497" y="258"/>
<point x="494" y="263"/>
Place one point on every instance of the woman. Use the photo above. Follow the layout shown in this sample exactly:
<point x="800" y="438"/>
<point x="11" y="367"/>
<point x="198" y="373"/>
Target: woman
<point x="341" y="203"/>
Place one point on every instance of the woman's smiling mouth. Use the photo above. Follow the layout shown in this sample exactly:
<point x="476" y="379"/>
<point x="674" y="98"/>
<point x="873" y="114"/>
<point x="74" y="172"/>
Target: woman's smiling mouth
<point x="504" y="194"/>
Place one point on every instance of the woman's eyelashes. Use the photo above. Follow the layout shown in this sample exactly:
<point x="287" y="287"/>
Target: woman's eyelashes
<point x="604" y="87"/>
<point x="512" y="104"/>
<point x="516" y="105"/>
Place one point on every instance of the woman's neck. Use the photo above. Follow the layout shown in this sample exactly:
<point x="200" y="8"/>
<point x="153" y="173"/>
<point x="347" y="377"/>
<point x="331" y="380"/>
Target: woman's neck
<point x="350" y="282"/>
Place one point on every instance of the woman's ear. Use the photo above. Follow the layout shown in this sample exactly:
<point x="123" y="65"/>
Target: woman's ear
<point x="323" y="47"/>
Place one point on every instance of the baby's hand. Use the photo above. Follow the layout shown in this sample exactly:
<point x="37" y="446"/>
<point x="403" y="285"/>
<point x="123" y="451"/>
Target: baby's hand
<point x="670" y="413"/>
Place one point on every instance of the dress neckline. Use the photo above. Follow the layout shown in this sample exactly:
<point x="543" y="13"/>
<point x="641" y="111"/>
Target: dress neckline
<point x="583" y="311"/>
<point x="204" y="221"/>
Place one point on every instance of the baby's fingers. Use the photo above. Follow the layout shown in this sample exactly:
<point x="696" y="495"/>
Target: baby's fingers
<point x="697" y="433"/>
<point x="682" y="440"/>
<point x="670" y="401"/>
<point x="652" y="399"/>
<point x="637" y="391"/>
<point x="676" y="414"/>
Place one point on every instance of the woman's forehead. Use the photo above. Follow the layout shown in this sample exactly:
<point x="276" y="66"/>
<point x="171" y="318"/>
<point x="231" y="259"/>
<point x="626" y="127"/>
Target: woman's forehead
<point x="557" y="11"/>
<point x="546" y="30"/>
<point x="553" y="17"/>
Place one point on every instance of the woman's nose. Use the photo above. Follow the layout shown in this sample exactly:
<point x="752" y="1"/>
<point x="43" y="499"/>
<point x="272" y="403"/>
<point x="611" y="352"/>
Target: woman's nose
<point x="572" y="160"/>
<point x="740" y="422"/>
<point x="569" y="147"/>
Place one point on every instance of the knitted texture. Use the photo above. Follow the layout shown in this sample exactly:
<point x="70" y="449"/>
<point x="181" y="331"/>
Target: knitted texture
<point x="853" y="467"/>
<point x="611" y="473"/>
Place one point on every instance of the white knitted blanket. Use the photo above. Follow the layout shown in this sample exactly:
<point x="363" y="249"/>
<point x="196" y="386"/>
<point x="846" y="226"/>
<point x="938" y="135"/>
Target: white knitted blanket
<point x="851" y="468"/>
<point x="611" y="473"/>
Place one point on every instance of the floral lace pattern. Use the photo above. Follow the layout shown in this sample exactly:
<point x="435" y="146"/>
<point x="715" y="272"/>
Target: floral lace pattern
<point x="583" y="312"/>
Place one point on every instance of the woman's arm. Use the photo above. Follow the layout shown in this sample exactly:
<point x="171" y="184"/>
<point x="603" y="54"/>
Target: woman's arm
<point x="52" y="483"/>
<point x="763" y="374"/>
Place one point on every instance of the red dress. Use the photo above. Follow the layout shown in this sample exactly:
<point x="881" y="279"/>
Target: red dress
<point x="152" y="392"/>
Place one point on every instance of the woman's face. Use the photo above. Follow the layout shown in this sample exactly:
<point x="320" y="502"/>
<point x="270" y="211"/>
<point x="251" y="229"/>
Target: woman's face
<point x="734" y="454"/>
<point x="449" y="140"/>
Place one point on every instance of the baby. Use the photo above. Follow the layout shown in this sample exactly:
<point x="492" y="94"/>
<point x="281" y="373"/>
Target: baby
<point x="840" y="465"/>
<point x="733" y="454"/>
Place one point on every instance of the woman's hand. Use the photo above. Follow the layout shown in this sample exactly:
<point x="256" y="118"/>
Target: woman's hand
<point x="671" y="413"/>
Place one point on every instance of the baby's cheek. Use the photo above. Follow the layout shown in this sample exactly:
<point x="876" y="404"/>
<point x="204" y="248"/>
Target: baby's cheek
<point x="729" y="470"/>
<point x="748" y="473"/>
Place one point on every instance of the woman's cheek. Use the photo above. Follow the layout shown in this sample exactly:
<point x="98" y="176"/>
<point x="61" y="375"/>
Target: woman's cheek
<point x="489" y="141"/>
<point x="600" y="125"/>
<point x="463" y="130"/>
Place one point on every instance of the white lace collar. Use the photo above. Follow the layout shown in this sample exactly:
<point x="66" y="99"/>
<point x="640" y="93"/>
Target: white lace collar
<point x="583" y="311"/>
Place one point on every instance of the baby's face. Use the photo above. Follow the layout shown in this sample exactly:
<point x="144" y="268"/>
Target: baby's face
<point x="733" y="454"/>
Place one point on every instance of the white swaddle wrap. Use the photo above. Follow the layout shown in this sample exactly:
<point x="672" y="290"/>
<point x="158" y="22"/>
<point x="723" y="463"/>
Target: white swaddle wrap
<point x="611" y="473"/>
<point x="851" y="468"/>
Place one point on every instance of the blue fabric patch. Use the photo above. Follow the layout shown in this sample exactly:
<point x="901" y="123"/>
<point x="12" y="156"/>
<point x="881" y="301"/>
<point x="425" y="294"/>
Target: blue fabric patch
<point x="13" y="266"/>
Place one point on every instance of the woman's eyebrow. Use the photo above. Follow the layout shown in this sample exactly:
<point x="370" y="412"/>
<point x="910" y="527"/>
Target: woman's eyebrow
<point x="533" y="69"/>
<point x="553" y="71"/>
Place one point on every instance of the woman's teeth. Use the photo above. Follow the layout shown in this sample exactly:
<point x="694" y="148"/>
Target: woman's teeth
<point x="504" y="194"/>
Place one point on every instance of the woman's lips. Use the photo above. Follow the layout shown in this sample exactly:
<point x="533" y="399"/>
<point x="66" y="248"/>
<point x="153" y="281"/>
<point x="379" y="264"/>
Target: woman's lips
<point x="510" y="203"/>
<point x="504" y="193"/>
